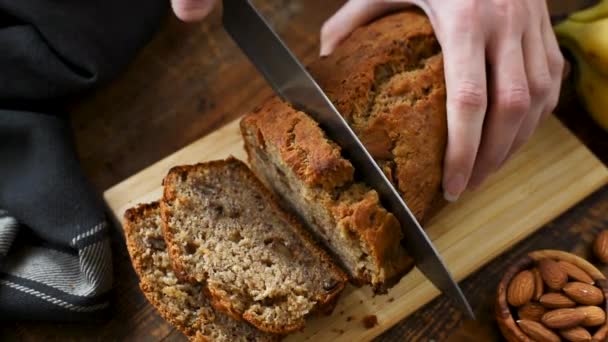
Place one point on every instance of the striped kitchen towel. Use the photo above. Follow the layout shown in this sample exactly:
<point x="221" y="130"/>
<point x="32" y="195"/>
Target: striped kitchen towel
<point x="55" y="258"/>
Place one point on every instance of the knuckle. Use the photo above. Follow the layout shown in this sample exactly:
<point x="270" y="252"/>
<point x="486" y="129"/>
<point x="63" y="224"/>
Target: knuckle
<point x="509" y="8"/>
<point x="540" y="84"/>
<point x="515" y="101"/>
<point x="470" y="97"/>
<point x="465" y="15"/>
<point x="556" y="63"/>
<point x="504" y="8"/>
<point x="468" y="6"/>
<point x="511" y="14"/>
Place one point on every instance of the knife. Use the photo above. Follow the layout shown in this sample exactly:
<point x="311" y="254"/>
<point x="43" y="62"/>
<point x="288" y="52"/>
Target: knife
<point x="294" y="84"/>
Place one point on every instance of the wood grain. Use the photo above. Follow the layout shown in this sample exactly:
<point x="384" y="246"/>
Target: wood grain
<point x="510" y="206"/>
<point x="190" y="80"/>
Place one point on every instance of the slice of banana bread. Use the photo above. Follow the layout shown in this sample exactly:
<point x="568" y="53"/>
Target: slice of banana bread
<point x="182" y="304"/>
<point x="386" y="79"/>
<point x="223" y="227"/>
<point x="293" y="156"/>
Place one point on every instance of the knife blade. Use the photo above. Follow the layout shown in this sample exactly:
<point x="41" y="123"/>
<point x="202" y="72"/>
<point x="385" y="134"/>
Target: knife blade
<point x="294" y="84"/>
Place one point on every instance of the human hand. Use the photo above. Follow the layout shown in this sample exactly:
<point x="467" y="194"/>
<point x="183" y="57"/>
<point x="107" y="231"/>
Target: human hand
<point x="503" y="70"/>
<point x="192" y="10"/>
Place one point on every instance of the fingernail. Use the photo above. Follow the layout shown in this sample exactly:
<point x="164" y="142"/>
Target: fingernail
<point x="454" y="187"/>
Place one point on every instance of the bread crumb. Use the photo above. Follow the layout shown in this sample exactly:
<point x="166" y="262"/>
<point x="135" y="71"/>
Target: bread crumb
<point x="390" y="300"/>
<point x="341" y="312"/>
<point x="370" y="321"/>
<point x="349" y="318"/>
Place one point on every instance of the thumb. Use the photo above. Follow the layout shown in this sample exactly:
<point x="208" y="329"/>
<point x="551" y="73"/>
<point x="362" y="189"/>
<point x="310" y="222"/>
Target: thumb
<point x="350" y="16"/>
<point x="192" y="10"/>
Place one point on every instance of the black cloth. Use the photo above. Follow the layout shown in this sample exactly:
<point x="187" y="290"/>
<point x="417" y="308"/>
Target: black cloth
<point x="55" y="259"/>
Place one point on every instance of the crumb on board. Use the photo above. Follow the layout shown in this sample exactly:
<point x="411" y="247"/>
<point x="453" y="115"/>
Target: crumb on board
<point x="341" y="312"/>
<point x="349" y="318"/>
<point x="361" y="301"/>
<point x="370" y="321"/>
<point x="391" y="299"/>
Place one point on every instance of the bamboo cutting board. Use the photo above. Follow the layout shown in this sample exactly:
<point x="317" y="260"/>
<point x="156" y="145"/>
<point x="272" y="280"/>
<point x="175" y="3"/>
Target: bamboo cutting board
<point x="550" y="174"/>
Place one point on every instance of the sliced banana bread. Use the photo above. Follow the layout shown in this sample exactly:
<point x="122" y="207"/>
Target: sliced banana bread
<point x="182" y="304"/>
<point x="386" y="79"/>
<point x="293" y="156"/>
<point x="223" y="227"/>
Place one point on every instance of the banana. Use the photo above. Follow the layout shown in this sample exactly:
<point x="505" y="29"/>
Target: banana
<point x="593" y="13"/>
<point x="592" y="89"/>
<point x="585" y="35"/>
<point x="590" y="38"/>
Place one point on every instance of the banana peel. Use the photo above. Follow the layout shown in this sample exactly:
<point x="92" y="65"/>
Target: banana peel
<point x="592" y="88"/>
<point x="585" y="35"/>
<point x="600" y="10"/>
<point x="590" y="39"/>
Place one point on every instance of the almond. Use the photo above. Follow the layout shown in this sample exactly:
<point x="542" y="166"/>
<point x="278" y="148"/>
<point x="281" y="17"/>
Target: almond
<point x="537" y="331"/>
<point x="531" y="311"/>
<point x="575" y="272"/>
<point x="600" y="246"/>
<point x="556" y="301"/>
<point x="552" y="274"/>
<point x="563" y="318"/>
<point x="576" y="334"/>
<point x="594" y="315"/>
<point x="521" y="288"/>
<point x="584" y="293"/>
<point x="539" y="286"/>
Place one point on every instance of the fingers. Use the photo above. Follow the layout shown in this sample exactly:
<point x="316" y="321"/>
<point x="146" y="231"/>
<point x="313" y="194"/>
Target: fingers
<point x="464" y="64"/>
<point x="545" y="69"/>
<point x="555" y="63"/>
<point x="352" y="15"/>
<point x="510" y="104"/>
<point x="540" y="83"/>
<point x="192" y="10"/>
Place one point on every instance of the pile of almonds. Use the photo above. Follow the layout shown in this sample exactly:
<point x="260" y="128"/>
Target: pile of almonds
<point x="556" y="298"/>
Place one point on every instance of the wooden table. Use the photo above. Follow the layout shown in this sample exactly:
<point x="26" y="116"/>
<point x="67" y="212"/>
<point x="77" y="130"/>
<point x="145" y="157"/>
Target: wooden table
<point x="190" y="80"/>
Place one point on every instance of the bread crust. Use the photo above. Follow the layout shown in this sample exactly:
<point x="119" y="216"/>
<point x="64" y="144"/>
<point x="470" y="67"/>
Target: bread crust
<point x="386" y="79"/>
<point x="133" y="218"/>
<point x="219" y="300"/>
<point x="316" y="161"/>
<point x="397" y="57"/>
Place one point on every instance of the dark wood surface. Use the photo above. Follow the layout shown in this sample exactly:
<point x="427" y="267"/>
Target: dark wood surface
<point x="190" y="80"/>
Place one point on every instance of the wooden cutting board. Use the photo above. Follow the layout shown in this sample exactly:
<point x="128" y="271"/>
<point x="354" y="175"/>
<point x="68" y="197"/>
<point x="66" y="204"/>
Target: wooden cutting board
<point x="550" y="174"/>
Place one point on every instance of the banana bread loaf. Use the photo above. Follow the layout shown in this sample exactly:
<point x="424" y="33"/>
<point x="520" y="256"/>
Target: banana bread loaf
<point x="224" y="228"/>
<point x="180" y="303"/>
<point x="386" y="79"/>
